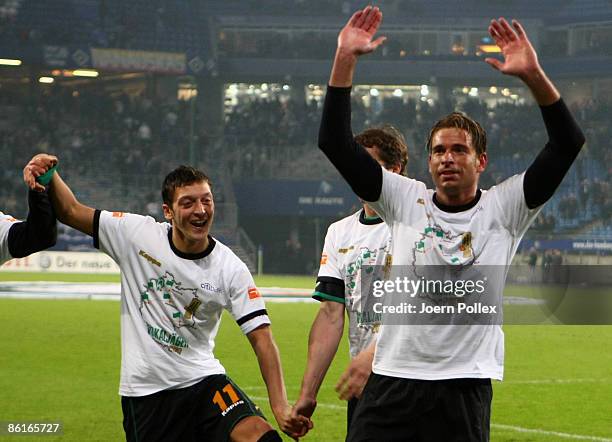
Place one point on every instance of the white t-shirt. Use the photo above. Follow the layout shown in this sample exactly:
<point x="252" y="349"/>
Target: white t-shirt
<point x="6" y="222"/>
<point x="422" y="234"/>
<point x="171" y="303"/>
<point x="354" y="245"/>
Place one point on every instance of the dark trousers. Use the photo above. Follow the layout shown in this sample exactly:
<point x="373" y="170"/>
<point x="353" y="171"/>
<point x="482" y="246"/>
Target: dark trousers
<point x="411" y="410"/>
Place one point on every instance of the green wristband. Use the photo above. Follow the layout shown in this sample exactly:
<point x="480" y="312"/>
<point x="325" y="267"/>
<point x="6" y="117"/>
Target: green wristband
<point x="45" y="178"/>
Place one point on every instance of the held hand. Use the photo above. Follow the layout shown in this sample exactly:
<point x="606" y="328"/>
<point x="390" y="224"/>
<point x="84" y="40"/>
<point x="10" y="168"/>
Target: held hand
<point x="305" y="406"/>
<point x="520" y="58"/>
<point x="37" y="166"/>
<point x="291" y="423"/>
<point x="356" y="36"/>
<point x="356" y="375"/>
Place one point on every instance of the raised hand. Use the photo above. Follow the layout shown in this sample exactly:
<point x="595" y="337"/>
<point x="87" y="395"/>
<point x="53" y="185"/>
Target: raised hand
<point x="36" y="167"/>
<point x="356" y="36"/>
<point x="520" y="58"/>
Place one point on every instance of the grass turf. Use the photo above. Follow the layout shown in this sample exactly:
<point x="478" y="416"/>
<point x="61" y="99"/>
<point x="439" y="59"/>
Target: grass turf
<point x="61" y="361"/>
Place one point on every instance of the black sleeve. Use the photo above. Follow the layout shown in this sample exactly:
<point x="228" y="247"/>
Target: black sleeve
<point x="356" y="166"/>
<point x="96" y="228"/>
<point x="38" y="232"/>
<point x="565" y="139"/>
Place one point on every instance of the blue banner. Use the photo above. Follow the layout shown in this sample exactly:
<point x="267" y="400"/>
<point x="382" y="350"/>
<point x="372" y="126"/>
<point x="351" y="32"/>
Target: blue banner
<point x="570" y="245"/>
<point x="295" y="197"/>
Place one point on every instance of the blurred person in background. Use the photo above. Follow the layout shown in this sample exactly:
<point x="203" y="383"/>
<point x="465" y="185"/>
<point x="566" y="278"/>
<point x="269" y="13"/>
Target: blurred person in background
<point x="353" y="245"/>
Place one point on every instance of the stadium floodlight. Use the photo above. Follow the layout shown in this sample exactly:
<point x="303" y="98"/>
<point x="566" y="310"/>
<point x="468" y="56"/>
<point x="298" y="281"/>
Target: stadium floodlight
<point x="10" y="62"/>
<point x="46" y="80"/>
<point x="85" y="73"/>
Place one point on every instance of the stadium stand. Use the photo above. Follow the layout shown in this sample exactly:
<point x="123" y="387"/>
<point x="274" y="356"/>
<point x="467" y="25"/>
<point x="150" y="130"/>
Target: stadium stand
<point x="120" y="131"/>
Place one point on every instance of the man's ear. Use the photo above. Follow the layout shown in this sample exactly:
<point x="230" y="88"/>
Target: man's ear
<point x="483" y="160"/>
<point x="396" y="169"/>
<point x="167" y="212"/>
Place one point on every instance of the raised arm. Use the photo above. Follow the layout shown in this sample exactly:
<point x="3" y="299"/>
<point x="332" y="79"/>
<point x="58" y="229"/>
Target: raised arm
<point x="325" y="335"/>
<point x="67" y="208"/>
<point x="269" y="363"/>
<point x="39" y="230"/>
<point x="362" y="173"/>
<point x="565" y="139"/>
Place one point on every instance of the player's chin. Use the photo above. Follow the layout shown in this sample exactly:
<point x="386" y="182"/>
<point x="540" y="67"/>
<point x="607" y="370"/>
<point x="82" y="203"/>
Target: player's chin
<point x="447" y="184"/>
<point x="198" y="232"/>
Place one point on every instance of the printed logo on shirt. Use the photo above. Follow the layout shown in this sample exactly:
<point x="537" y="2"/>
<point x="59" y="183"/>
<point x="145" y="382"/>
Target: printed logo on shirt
<point x="192" y="308"/>
<point x="323" y="259"/>
<point x="254" y="293"/>
<point x="453" y="249"/>
<point x="161" y="307"/>
<point x="364" y="262"/>
<point x="210" y="288"/>
<point x="149" y="258"/>
<point x="346" y="249"/>
<point x="118" y="214"/>
<point x="9" y="219"/>
<point x="421" y="201"/>
<point x="466" y="244"/>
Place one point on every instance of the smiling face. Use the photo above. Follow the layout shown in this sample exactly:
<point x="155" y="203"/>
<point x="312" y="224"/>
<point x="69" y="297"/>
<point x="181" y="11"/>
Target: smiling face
<point x="191" y="214"/>
<point x="454" y="165"/>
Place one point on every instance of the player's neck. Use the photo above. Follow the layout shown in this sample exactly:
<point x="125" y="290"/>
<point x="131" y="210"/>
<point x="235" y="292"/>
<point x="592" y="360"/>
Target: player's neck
<point x="454" y="199"/>
<point x="369" y="212"/>
<point x="186" y="245"/>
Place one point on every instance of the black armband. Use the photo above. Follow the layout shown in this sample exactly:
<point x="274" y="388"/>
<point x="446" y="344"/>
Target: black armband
<point x="329" y="289"/>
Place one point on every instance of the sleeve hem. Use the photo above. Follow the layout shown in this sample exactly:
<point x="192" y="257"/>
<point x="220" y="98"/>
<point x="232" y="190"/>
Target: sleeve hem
<point x="251" y="324"/>
<point x="322" y="297"/>
<point x="96" y="229"/>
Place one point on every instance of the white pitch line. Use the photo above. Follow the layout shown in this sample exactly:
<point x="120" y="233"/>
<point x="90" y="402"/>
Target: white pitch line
<point x="550" y="433"/>
<point x="493" y="425"/>
<point x="319" y="404"/>
<point x="560" y="381"/>
<point x="509" y="382"/>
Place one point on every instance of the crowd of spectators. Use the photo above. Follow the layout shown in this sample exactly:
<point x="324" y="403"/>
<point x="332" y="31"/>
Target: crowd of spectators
<point x="115" y="148"/>
<point x="275" y="138"/>
<point x="109" y="146"/>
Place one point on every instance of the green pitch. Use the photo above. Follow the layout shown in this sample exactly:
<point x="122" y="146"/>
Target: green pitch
<point x="61" y="359"/>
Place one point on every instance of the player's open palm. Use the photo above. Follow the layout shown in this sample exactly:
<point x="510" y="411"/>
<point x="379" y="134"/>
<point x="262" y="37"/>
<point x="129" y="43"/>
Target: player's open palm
<point x="520" y="57"/>
<point x="356" y="37"/>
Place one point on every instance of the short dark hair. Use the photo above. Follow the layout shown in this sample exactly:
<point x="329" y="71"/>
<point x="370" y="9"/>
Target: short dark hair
<point x="179" y="177"/>
<point x="461" y="121"/>
<point x="391" y="145"/>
